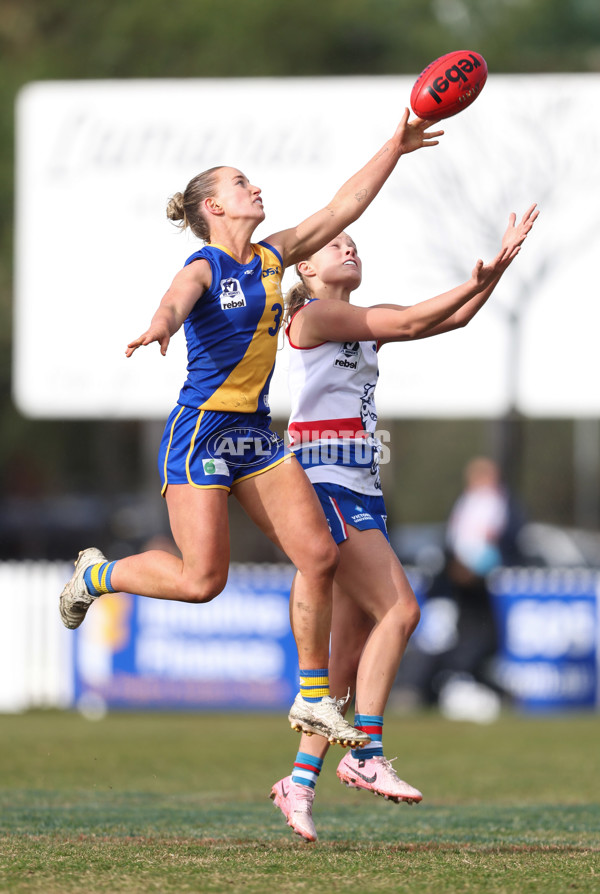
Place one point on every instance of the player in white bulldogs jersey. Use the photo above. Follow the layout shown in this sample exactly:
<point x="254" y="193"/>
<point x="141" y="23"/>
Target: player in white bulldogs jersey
<point x="333" y="372"/>
<point x="333" y="420"/>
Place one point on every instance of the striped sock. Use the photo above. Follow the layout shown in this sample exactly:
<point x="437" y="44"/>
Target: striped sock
<point x="97" y="578"/>
<point x="306" y="769"/>
<point x="372" y="725"/>
<point x="314" y="684"/>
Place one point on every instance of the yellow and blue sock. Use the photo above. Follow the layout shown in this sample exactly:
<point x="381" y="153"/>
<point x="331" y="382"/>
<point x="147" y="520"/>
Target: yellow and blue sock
<point x="372" y="725"/>
<point x="97" y="578"/>
<point x="314" y="684"/>
<point x="306" y="769"/>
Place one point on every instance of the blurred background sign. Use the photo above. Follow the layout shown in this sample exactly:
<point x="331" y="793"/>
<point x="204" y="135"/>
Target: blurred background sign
<point x="238" y="652"/>
<point x="235" y="652"/>
<point x="549" y="626"/>
<point x="97" y="160"/>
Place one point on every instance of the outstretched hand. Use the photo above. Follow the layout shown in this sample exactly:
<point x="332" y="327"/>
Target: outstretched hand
<point x="516" y="235"/>
<point x="414" y="135"/>
<point x="484" y="274"/>
<point x="154" y="333"/>
<point x="513" y="239"/>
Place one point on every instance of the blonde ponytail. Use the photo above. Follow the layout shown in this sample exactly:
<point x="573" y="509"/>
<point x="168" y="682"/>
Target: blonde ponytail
<point x="296" y="297"/>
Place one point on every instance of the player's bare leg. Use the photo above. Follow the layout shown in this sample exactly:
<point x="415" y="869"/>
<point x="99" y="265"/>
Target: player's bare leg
<point x="282" y="500"/>
<point x="371" y="578"/>
<point x="282" y="503"/>
<point x="200" y="528"/>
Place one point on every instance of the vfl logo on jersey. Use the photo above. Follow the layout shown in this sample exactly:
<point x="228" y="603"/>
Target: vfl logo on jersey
<point x="231" y="294"/>
<point x="347" y="356"/>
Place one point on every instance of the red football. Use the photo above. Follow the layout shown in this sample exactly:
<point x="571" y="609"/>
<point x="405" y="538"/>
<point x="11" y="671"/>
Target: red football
<point x="448" y="85"/>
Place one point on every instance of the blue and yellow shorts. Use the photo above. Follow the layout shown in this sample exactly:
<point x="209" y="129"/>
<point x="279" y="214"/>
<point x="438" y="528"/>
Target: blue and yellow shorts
<point x="206" y="448"/>
<point x="344" y="507"/>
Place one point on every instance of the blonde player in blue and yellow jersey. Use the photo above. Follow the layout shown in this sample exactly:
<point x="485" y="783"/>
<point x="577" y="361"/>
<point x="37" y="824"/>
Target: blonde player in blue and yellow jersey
<point x="218" y="438"/>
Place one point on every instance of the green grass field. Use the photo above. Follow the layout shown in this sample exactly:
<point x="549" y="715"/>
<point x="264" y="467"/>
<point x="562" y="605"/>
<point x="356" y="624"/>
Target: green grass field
<point x="179" y="803"/>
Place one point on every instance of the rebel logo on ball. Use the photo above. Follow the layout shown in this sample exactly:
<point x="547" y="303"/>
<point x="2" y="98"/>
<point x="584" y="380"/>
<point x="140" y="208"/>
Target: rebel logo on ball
<point x="448" y="85"/>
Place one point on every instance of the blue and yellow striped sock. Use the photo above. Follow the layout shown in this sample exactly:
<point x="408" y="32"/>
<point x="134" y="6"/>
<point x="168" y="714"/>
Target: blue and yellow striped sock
<point x="306" y="769"/>
<point x="97" y="578"/>
<point x="372" y="725"/>
<point x="314" y="684"/>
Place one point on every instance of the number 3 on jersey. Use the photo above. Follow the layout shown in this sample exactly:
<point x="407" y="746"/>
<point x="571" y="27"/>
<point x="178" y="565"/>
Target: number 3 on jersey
<point x="278" y="311"/>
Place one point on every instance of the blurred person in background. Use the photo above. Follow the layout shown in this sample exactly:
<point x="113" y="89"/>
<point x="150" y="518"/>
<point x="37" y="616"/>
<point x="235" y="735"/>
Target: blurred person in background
<point x="478" y="523"/>
<point x="228" y="298"/>
<point x="333" y="372"/>
<point x="451" y="663"/>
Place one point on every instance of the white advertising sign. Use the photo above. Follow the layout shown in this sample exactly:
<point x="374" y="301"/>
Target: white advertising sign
<point x="97" y="162"/>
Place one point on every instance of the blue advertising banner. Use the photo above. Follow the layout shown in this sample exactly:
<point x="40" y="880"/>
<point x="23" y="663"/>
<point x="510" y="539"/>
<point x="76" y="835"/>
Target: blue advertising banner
<point x="236" y="651"/>
<point x="549" y="629"/>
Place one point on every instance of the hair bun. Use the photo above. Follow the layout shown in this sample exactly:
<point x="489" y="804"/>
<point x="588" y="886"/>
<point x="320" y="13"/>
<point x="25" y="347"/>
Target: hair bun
<point x="175" y="210"/>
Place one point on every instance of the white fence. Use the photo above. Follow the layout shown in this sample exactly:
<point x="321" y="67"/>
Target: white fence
<point x="35" y="648"/>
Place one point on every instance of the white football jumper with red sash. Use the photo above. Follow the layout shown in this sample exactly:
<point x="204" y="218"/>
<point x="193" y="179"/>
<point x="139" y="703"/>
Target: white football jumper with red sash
<point x="333" y="419"/>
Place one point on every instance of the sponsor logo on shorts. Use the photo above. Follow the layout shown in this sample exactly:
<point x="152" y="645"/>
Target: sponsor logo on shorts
<point x="215" y="467"/>
<point x="232" y="295"/>
<point x="243" y="446"/>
